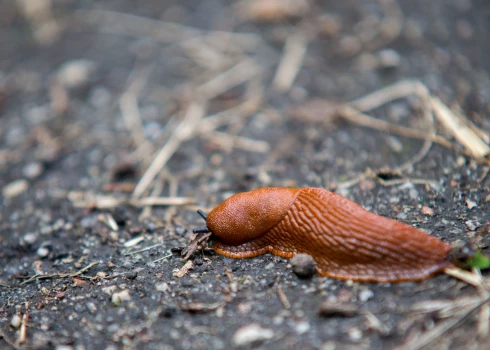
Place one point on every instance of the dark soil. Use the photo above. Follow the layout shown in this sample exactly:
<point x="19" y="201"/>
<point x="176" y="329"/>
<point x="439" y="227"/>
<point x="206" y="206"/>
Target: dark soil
<point x="63" y="137"/>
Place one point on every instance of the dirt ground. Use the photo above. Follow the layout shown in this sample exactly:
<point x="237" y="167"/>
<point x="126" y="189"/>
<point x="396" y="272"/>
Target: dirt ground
<point x="119" y="119"/>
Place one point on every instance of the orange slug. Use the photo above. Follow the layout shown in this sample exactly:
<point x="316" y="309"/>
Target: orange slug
<point x="346" y="241"/>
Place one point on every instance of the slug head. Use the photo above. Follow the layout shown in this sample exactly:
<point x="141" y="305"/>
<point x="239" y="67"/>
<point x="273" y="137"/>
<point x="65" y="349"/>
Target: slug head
<point x="249" y="215"/>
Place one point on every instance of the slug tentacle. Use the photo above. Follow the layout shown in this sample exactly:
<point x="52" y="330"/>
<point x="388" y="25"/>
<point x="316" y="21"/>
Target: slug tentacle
<point x="345" y="240"/>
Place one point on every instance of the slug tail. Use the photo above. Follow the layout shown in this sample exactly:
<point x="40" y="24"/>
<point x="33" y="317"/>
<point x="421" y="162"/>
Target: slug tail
<point x="349" y="243"/>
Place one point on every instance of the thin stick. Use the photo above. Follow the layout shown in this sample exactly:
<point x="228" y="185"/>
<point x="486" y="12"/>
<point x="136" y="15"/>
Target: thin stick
<point x="282" y="297"/>
<point x="357" y="117"/>
<point x="162" y="258"/>
<point x="105" y="202"/>
<point x="428" y="337"/>
<point x="157" y="190"/>
<point x="23" y="329"/>
<point x="128" y="103"/>
<point x="483" y="323"/>
<point x="240" y="73"/>
<point x="292" y="59"/>
<point x="390" y="93"/>
<point x="229" y="141"/>
<point x="119" y="23"/>
<point x="164" y="201"/>
<point x="244" y="109"/>
<point x="59" y="275"/>
<point x="467" y="137"/>
<point x="184" y="131"/>
<point x="144" y="249"/>
<point x="468" y="277"/>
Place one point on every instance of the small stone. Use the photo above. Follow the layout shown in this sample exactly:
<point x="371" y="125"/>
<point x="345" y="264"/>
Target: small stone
<point x="119" y="297"/>
<point x="16" y="321"/>
<point x="329" y="25"/>
<point x="162" y="287"/>
<point x="42" y="252"/>
<point x="388" y="59"/>
<point x="303" y="265"/>
<point x="355" y="334"/>
<point x="427" y="211"/>
<point x="471" y="204"/>
<point x="88" y="221"/>
<point x="270" y="266"/>
<point x="131" y="275"/>
<point x="109" y="289"/>
<point x="402" y="216"/>
<point x="365" y="295"/>
<point x="253" y="333"/>
<point x="30" y="238"/>
<point x="15" y="188"/>
<point x="350" y="45"/>
<point x="63" y="347"/>
<point x="472" y="225"/>
<point x="76" y="73"/>
<point x="334" y="309"/>
<point x="302" y="327"/>
<point x="33" y="170"/>
<point x="92" y="307"/>
<point x="180" y="230"/>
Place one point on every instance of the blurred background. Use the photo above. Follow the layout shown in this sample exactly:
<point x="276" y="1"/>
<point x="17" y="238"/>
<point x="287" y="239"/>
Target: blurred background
<point x="96" y="88"/>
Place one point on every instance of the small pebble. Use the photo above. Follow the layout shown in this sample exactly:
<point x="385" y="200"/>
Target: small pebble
<point x="42" y="252"/>
<point x="333" y="309"/>
<point x="76" y="73"/>
<point x="427" y="211"/>
<point x="472" y="225"/>
<point x="471" y="204"/>
<point x="91" y="307"/>
<point x="131" y="275"/>
<point x="121" y="296"/>
<point x="302" y="327"/>
<point x="88" y="221"/>
<point x="162" y="286"/>
<point x="15" y="188"/>
<point x="303" y="265"/>
<point x="365" y="295"/>
<point x="63" y="347"/>
<point x="30" y="238"/>
<point x="253" y="333"/>
<point x="388" y="59"/>
<point x="355" y="334"/>
<point x="16" y="321"/>
<point x="33" y="170"/>
<point x="109" y="289"/>
<point x="180" y="230"/>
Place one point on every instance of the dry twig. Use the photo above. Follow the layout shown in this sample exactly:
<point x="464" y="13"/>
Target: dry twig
<point x="59" y="275"/>
<point x="292" y="59"/>
<point x="184" y="131"/>
<point x="128" y="104"/>
<point x="424" y="339"/>
<point x="105" y="202"/>
<point x="184" y="269"/>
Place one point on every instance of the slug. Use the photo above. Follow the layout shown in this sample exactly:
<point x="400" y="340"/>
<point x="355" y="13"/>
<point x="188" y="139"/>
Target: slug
<point x="346" y="241"/>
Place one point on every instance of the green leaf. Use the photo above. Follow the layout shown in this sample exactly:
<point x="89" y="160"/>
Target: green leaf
<point x="479" y="261"/>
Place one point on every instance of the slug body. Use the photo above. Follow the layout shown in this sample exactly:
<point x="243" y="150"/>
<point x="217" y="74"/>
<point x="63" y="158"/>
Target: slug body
<point x="346" y="241"/>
